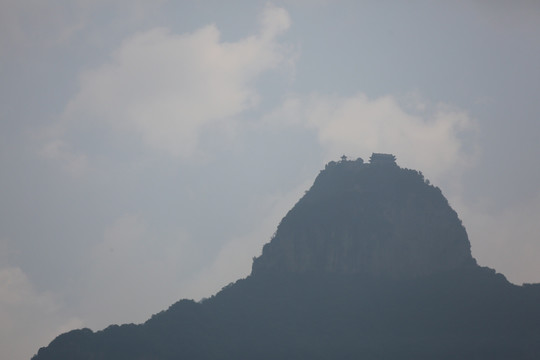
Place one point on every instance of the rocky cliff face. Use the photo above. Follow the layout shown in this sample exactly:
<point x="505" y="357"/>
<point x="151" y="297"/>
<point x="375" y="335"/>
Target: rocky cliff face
<point x="374" y="219"/>
<point x="372" y="263"/>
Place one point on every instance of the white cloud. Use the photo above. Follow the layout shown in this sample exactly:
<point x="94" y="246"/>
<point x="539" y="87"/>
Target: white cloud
<point x="165" y="88"/>
<point x="427" y="138"/>
<point x="274" y="21"/>
<point x="30" y="319"/>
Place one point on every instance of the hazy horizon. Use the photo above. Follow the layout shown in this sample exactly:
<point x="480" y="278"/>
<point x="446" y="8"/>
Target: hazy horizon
<point x="149" y="150"/>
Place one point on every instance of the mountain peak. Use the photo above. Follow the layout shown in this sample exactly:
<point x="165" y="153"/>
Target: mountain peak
<point x="371" y="263"/>
<point x="373" y="219"/>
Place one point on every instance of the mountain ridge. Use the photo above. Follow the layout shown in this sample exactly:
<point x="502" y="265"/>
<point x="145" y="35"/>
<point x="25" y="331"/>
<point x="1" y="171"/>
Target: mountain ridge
<point x="372" y="262"/>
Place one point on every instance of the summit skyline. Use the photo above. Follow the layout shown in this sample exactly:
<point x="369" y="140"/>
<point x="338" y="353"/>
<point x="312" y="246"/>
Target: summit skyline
<point x="148" y="150"/>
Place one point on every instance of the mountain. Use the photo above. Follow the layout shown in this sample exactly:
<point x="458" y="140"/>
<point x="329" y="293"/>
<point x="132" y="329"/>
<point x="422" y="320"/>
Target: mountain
<point x="371" y="263"/>
<point x="374" y="219"/>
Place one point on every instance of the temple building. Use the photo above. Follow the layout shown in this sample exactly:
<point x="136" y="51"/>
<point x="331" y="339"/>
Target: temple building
<point x="382" y="159"/>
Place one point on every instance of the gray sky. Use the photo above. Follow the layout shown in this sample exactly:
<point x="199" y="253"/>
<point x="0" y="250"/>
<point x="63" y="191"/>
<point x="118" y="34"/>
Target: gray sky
<point x="148" y="149"/>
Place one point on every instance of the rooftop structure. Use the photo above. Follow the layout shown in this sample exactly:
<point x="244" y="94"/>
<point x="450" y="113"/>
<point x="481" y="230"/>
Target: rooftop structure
<point x="383" y="159"/>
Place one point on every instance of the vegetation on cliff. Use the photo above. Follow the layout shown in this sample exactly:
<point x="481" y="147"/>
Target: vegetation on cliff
<point x="371" y="263"/>
<point x="375" y="219"/>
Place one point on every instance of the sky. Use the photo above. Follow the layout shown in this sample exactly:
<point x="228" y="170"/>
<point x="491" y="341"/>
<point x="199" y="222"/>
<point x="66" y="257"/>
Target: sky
<point x="148" y="149"/>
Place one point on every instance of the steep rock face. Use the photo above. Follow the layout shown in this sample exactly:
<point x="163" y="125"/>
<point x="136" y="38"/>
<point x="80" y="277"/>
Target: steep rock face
<point x="375" y="219"/>
<point x="372" y="263"/>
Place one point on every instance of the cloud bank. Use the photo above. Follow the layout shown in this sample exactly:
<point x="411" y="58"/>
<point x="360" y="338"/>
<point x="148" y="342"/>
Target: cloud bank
<point x="164" y="89"/>
<point x="425" y="136"/>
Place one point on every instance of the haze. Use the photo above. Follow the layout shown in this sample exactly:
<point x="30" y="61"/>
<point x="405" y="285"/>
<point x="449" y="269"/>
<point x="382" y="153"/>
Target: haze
<point x="149" y="150"/>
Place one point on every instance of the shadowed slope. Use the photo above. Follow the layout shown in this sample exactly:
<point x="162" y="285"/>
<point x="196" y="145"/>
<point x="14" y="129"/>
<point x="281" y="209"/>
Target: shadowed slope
<point x="372" y="263"/>
<point x="371" y="219"/>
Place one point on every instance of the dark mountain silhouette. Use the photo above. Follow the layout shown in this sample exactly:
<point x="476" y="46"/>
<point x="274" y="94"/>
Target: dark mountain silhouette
<point x="372" y="263"/>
